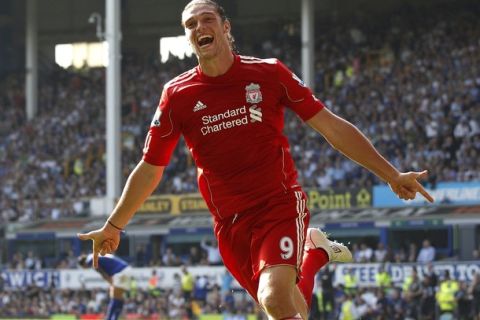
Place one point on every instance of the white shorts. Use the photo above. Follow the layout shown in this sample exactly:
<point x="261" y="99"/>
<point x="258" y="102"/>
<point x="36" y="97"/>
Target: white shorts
<point x="122" y="279"/>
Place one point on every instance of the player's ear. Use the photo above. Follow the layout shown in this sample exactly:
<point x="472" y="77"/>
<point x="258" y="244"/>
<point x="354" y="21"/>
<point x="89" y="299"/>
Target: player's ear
<point x="227" y="26"/>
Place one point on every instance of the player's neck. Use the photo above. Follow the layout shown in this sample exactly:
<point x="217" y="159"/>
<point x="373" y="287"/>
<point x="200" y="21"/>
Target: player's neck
<point x="216" y="66"/>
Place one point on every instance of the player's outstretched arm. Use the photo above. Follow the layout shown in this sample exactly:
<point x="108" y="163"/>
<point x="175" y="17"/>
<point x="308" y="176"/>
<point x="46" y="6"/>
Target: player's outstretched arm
<point x="140" y="185"/>
<point x="347" y="139"/>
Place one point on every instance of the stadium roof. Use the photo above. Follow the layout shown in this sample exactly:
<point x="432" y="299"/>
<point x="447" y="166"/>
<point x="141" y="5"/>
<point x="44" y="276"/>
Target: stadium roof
<point x="67" y="20"/>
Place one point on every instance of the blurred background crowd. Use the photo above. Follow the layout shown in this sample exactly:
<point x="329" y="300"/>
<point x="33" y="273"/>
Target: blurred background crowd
<point x="178" y="302"/>
<point x="429" y="296"/>
<point x="424" y="295"/>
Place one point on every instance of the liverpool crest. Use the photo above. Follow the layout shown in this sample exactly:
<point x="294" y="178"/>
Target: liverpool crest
<point x="253" y="93"/>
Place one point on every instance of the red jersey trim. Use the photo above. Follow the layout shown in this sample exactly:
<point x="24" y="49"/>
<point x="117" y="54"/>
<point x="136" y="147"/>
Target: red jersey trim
<point x="288" y="96"/>
<point x="181" y="78"/>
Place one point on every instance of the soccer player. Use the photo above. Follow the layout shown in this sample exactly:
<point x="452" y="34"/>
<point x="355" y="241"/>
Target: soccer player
<point x="230" y="111"/>
<point x="116" y="272"/>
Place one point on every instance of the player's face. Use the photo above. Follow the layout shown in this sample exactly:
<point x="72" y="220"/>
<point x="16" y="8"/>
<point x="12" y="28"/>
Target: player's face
<point x="207" y="33"/>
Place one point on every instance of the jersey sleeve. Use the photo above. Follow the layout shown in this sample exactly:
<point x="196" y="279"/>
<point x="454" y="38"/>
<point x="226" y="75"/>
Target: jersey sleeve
<point x="296" y="95"/>
<point x="102" y="264"/>
<point x="163" y="134"/>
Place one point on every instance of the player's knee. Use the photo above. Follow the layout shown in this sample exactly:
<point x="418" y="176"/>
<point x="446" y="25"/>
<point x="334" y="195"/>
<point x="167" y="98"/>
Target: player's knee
<point x="269" y="301"/>
<point x="274" y="301"/>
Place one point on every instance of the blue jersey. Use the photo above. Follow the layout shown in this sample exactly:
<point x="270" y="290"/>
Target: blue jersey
<point x="108" y="263"/>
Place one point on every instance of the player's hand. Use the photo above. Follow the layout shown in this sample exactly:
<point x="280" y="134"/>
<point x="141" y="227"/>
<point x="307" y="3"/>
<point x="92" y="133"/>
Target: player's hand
<point x="406" y="185"/>
<point x="104" y="240"/>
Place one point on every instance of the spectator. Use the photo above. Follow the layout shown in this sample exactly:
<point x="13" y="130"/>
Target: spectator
<point x="169" y="258"/>
<point x="476" y="254"/>
<point x="328" y="291"/>
<point x="474" y="290"/>
<point x="445" y="296"/>
<point x="427" y="253"/>
<point x="177" y="284"/>
<point x="227" y="280"/>
<point x="195" y="256"/>
<point x="214" y="299"/>
<point x="177" y="306"/>
<point x="427" y="300"/>
<point x="400" y="256"/>
<point x="412" y="252"/>
<point x="383" y="279"/>
<point x="432" y="275"/>
<point x="380" y="253"/>
<point x="153" y="284"/>
<point x="201" y="289"/>
<point x="398" y="305"/>
<point x="32" y="262"/>
<point x="412" y="296"/>
<point x="141" y="256"/>
<point x="382" y="305"/>
<point x="464" y="302"/>
<point x="357" y="256"/>
<point x="351" y="281"/>
<point x="366" y="253"/>
<point x="188" y="284"/>
<point x="348" y="309"/>
<point x="213" y="255"/>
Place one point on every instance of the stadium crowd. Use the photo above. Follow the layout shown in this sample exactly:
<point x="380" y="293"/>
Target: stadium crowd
<point x="411" y="83"/>
<point x="424" y="296"/>
<point x="428" y="296"/>
<point x="202" y="254"/>
<point x="145" y="304"/>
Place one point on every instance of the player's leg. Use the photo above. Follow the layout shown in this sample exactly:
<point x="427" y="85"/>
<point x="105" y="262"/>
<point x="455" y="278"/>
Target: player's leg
<point x="121" y="284"/>
<point x="299" y="300"/>
<point x="115" y="305"/>
<point x="279" y="295"/>
<point x="313" y="261"/>
<point x="234" y="236"/>
<point x="277" y="249"/>
<point x="263" y="250"/>
<point x="319" y="250"/>
<point x="241" y="238"/>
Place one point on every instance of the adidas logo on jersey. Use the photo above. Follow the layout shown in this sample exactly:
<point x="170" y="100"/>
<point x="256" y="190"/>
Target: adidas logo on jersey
<point x="199" y="106"/>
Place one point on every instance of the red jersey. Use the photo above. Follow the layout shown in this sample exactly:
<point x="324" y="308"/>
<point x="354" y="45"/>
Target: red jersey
<point x="233" y="127"/>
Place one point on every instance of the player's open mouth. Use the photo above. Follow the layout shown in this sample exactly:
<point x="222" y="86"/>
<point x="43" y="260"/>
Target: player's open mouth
<point x="204" y="41"/>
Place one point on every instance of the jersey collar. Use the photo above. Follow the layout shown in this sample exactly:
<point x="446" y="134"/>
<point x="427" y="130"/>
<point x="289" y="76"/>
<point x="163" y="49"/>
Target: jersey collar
<point x="221" y="78"/>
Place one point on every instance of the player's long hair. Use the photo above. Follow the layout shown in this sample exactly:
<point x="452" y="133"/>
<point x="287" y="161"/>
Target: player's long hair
<point x="221" y="13"/>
